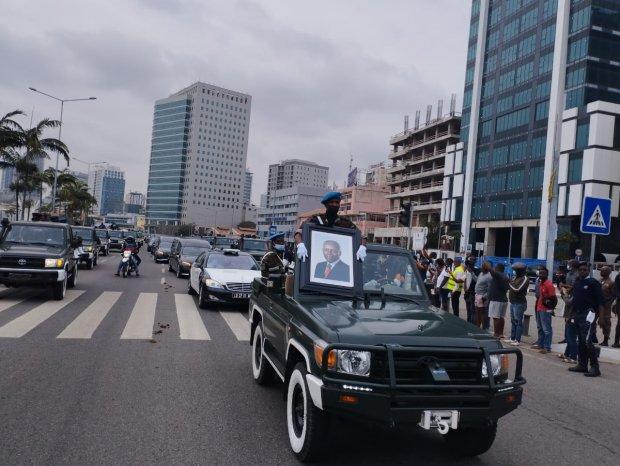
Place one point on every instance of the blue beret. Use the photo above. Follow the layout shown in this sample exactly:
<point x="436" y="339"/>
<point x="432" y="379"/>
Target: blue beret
<point x="276" y="236"/>
<point x="331" y="196"/>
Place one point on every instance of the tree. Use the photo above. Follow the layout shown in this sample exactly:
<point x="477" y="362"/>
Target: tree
<point x="185" y="230"/>
<point x="74" y="194"/>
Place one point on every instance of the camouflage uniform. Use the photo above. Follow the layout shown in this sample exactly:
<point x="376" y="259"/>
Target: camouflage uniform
<point x="341" y="222"/>
<point x="604" y="320"/>
<point x="270" y="260"/>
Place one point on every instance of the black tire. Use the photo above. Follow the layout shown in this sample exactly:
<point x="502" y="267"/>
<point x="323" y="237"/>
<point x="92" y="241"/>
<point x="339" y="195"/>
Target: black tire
<point x="96" y="260"/>
<point x="170" y="269"/>
<point x="307" y="425"/>
<point x="261" y="369"/>
<point x="203" y="301"/>
<point x="59" y="290"/>
<point x="106" y="251"/>
<point x="471" y="441"/>
<point x="178" y="272"/>
<point x="89" y="264"/>
<point x="190" y="290"/>
<point x="124" y="272"/>
<point x="72" y="281"/>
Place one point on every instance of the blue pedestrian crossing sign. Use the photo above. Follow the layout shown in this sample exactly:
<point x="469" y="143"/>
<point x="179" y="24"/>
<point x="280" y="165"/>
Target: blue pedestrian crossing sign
<point x="596" y="215"/>
<point x="273" y="230"/>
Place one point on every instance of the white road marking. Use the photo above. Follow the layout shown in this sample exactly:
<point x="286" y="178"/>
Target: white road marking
<point x="163" y="280"/>
<point x="163" y="270"/>
<point x="142" y="318"/>
<point x="84" y="325"/>
<point x="191" y="326"/>
<point x="26" y="322"/>
<point x="239" y="325"/>
<point x="6" y="303"/>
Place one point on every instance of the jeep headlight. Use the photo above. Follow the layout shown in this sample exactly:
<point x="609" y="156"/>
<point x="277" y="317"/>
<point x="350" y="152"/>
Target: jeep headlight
<point x="213" y="283"/>
<point x="499" y="365"/>
<point x="186" y="264"/>
<point x="54" y="263"/>
<point x="88" y="248"/>
<point x="354" y="362"/>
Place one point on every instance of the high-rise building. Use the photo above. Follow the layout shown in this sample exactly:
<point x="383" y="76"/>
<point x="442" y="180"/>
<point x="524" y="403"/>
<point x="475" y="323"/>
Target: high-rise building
<point x="294" y="172"/>
<point x="198" y="157"/>
<point x="107" y="185"/>
<point x="81" y="176"/>
<point x="540" y="124"/>
<point x="247" y="188"/>
<point x="8" y="174"/>
<point x="284" y="208"/>
<point x="134" y="202"/>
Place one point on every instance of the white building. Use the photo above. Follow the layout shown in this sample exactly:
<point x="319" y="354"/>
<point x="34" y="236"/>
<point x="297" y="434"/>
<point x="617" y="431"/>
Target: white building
<point x="295" y="172"/>
<point x="284" y="207"/>
<point x="247" y="188"/>
<point x="198" y="157"/>
<point x="107" y="185"/>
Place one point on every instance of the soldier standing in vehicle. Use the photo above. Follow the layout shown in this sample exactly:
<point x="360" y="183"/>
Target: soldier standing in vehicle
<point x="330" y="218"/>
<point x="272" y="262"/>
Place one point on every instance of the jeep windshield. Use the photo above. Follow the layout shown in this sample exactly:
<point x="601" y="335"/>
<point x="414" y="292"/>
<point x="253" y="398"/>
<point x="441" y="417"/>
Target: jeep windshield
<point x="36" y="235"/>
<point x="117" y="234"/>
<point x="255" y="245"/>
<point x="103" y="234"/>
<point x="392" y="273"/>
<point x="85" y="233"/>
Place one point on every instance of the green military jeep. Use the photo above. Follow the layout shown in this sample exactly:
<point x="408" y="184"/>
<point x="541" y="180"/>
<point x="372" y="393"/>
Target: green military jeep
<point x="379" y="352"/>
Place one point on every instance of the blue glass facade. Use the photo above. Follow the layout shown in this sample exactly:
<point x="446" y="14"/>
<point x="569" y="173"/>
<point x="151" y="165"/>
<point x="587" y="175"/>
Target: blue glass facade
<point x="112" y="193"/>
<point x="168" y="160"/>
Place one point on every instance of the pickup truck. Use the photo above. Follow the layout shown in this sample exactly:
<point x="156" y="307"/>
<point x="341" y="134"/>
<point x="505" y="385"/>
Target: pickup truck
<point x="38" y="254"/>
<point x="386" y="356"/>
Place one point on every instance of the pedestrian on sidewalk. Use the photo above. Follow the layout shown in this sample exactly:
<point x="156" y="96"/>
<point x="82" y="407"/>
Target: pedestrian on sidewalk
<point x="498" y="301"/>
<point x="471" y="277"/>
<point x="481" y="297"/>
<point x="517" y="295"/>
<point x="604" y="320"/>
<point x="617" y="311"/>
<point x="443" y="275"/>
<point x="587" y="304"/>
<point x="455" y="284"/>
<point x="546" y="300"/>
<point x="570" y="329"/>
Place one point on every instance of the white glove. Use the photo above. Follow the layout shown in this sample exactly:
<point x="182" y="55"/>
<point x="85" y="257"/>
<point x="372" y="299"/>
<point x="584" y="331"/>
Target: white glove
<point x="361" y="253"/>
<point x="285" y="263"/>
<point x="302" y="252"/>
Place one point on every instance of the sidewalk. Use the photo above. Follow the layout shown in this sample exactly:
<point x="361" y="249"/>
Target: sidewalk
<point x="608" y="354"/>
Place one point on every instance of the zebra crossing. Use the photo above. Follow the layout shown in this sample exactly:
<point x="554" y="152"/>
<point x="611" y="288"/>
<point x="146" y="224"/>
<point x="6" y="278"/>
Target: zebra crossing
<point x="139" y="325"/>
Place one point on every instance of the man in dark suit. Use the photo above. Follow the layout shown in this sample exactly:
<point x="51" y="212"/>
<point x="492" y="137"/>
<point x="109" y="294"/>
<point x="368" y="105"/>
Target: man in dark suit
<point x="332" y="268"/>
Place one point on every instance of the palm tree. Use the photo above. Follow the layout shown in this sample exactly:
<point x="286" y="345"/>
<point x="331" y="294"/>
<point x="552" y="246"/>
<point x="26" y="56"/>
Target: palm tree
<point x="9" y="132"/>
<point x="78" y="201"/>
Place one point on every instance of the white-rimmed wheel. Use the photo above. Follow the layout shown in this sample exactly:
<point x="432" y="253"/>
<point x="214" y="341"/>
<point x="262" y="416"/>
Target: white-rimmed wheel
<point x="306" y="424"/>
<point x="59" y="290"/>
<point x="261" y="370"/>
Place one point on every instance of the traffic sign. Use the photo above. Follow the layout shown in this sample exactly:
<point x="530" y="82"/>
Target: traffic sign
<point x="479" y="246"/>
<point x="596" y="215"/>
<point x="273" y="230"/>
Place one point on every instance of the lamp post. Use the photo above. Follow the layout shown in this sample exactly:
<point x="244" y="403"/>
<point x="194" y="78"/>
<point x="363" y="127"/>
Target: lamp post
<point x="89" y="164"/>
<point x="62" y="105"/>
<point x="512" y="219"/>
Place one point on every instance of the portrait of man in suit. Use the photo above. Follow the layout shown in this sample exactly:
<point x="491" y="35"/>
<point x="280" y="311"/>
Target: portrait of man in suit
<point x="332" y="268"/>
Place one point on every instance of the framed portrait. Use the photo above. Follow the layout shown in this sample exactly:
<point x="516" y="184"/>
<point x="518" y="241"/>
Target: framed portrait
<point x="331" y="265"/>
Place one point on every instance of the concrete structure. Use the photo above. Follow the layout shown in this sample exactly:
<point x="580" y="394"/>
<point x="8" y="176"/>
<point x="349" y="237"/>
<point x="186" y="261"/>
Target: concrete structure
<point x="363" y="205"/>
<point x="247" y="188"/>
<point x="416" y="170"/>
<point x="294" y="172"/>
<point x="375" y="174"/>
<point x="536" y="69"/>
<point x="107" y="185"/>
<point x="198" y="157"/>
<point x="134" y="202"/>
<point x="83" y="177"/>
<point x="284" y="207"/>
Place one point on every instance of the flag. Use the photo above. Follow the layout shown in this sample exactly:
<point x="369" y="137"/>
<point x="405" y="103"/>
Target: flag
<point x="352" y="178"/>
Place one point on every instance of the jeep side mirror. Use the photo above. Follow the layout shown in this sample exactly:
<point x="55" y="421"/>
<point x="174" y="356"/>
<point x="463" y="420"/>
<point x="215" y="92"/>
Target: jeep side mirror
<point x="76" y="242"/>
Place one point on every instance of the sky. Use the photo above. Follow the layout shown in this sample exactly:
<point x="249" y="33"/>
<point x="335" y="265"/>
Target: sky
<point x="328" y="78"/>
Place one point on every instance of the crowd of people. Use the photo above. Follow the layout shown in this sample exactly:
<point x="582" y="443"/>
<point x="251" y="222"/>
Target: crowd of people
<point x="490" y="295"/>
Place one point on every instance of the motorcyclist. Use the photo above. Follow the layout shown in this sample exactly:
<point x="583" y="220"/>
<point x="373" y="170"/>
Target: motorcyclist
<point x="129" y="244"/>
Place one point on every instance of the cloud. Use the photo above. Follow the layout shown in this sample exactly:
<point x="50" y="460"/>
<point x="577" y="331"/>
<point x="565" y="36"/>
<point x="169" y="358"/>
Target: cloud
<point x="327" y="78"/>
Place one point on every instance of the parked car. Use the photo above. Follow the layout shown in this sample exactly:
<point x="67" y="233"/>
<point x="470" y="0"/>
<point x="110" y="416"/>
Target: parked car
<point x="380" y="355"/>
<point x="152" y="242"/>
<point x="257" y="247"/>
<point x="38" y="254"/>
<point x="104" y="238"/>
<point x="222" y="277"/>
<point x="116" y="239"/>
<point x="89" y="251"/>
<point x="161" y="251"/>
<point x="184" y="252"/>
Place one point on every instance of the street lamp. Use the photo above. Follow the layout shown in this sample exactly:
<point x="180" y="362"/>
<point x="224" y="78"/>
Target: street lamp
<point x="89" y="164"/>
<point x="62" y="105"/>
<point x="512" y="219"/>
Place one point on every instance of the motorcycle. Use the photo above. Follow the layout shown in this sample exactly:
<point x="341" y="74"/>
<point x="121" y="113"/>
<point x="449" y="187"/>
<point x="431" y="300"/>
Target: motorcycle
<point x="127" y="263"/>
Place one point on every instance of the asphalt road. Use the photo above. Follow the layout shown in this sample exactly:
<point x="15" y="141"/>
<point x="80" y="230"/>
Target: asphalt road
<point x="88" y="382"/>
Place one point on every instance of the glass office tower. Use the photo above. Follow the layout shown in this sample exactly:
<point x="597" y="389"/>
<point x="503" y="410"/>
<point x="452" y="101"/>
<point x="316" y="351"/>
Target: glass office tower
<point x="539" y="73"/>
<point x="171" y="121"/>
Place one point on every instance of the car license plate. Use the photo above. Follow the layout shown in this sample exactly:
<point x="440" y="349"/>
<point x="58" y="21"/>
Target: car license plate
<point x="241" y="295"/>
